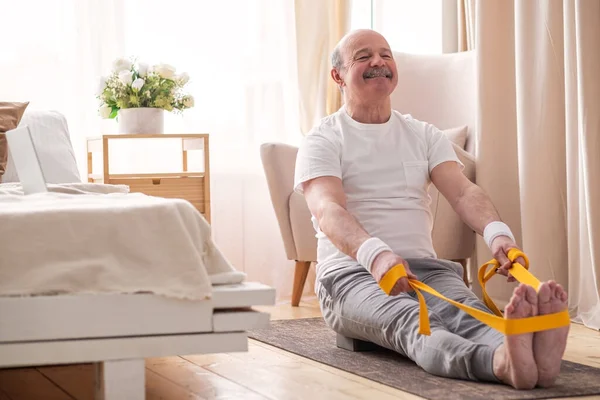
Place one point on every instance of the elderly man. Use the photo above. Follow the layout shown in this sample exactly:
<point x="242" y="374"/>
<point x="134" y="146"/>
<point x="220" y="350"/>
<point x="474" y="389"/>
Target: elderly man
<point x="364" y="172"/>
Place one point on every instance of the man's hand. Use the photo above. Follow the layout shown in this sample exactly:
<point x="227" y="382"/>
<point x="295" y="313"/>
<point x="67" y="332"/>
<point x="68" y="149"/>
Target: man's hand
<point x="385" y="261"/>
<point x="500" y="247"/>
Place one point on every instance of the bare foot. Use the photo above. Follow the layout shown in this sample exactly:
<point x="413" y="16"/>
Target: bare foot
<point x="549" y="346"/>
<point x="514" y="363"/>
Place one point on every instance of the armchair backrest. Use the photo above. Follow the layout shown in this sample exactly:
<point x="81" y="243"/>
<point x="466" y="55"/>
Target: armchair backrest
<point x="440" y="89"/>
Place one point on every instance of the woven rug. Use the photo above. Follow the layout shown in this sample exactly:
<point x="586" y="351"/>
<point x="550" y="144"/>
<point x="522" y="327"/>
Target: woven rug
<point x="311" y="338"/>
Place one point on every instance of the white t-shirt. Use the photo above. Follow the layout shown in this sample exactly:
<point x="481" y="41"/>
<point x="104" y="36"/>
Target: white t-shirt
<point x="385" y="170"/>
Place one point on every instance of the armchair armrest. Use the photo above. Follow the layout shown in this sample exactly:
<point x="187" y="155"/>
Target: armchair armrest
<point x="302" y="228"/>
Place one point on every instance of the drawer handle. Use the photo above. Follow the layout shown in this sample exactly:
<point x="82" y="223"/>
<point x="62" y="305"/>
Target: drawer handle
<point x="156" y="181"/>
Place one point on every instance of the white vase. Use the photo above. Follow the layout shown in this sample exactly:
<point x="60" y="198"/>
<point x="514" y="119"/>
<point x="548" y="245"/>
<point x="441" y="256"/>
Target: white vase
<point x="142" y="120"/>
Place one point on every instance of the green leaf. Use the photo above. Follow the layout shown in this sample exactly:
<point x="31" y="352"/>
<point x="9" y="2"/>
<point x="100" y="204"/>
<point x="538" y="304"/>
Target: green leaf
<point x="114" y="112"/>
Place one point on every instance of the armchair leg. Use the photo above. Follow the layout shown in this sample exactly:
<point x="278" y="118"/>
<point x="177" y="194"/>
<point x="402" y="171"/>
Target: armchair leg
<point x="300" y="273"/>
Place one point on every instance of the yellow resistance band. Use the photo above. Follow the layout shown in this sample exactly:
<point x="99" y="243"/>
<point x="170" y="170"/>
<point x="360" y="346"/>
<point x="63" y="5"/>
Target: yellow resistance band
<point x="498" y="322"/>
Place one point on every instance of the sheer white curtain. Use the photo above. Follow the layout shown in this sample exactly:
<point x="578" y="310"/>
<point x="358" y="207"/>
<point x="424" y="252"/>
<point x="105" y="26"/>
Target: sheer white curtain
<point x="240" y="55"/>
<point x="539" y="99"/>
<point x="53" y="54"/>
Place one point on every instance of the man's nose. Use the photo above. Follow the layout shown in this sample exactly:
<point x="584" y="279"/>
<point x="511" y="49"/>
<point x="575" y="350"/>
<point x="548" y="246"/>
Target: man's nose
<point x="377" y="61"/>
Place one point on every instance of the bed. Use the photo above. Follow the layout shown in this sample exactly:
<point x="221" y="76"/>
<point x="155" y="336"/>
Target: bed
<point x="93" y="273"/>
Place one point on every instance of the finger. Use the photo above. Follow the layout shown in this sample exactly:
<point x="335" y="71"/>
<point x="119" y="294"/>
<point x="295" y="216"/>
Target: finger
<point x="400" y="287"/>
<point x="404" y="286"/>
<point x="520" y="260"/>
<point x="502" y="270"/>
<point x="411" y="275"/>
<point x="503" y="261"/>
<point x="505" y="266"/>
<point x="409" y="272"/>
<point x="397" y="289"/>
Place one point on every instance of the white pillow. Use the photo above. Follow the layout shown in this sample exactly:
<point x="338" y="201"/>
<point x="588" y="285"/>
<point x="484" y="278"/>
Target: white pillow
<point x="52" y="142"/>
<point x="457" y="135"/>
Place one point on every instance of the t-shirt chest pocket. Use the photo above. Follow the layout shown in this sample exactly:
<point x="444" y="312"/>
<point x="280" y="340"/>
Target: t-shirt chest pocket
<point x="417" y="178"/>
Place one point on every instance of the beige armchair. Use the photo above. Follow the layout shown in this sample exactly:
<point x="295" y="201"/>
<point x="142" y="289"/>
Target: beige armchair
<point x="439" y="89"/>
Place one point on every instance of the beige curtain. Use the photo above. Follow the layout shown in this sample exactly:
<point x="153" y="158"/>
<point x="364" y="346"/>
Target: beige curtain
<point x="320" y="24"/>
<point x="538" y="144"/>
<point x="466" y="25"/>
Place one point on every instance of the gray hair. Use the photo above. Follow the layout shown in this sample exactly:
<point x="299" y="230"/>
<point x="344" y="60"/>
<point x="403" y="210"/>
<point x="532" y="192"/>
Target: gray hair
<point x="337" y="61"/>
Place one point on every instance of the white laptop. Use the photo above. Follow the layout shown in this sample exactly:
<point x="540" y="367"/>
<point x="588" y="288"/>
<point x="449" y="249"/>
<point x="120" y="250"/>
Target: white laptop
<point x="26" y="161"/>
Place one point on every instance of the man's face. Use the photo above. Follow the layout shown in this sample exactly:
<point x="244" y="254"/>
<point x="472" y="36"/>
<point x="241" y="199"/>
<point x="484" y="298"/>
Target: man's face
<point x="369" y="70"/>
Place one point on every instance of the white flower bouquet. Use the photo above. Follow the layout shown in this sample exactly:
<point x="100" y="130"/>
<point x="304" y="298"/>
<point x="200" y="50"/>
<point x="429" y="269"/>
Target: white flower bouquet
<point x="137" y="85"/>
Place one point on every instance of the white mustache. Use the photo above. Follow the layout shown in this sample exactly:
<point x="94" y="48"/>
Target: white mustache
<point x="377" y="72"/>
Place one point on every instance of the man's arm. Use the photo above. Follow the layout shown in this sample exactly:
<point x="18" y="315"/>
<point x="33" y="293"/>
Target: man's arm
<point x="469" y="201"/>
<point x="474" y="207"/>
<point x="327" y="202"/>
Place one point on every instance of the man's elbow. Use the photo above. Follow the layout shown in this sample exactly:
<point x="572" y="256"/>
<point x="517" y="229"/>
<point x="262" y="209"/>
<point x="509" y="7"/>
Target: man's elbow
<point x="461" y="200"/>
<point x="325" y="208"/>
<point x="323" y="196"/>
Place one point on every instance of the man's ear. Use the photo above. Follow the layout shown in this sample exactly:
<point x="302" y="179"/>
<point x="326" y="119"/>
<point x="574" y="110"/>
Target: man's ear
<point x="336" y="77"/>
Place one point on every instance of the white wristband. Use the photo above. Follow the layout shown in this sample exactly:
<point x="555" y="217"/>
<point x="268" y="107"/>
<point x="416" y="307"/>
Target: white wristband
<point x="495" y="229"/>
<point x="370" y="249"/>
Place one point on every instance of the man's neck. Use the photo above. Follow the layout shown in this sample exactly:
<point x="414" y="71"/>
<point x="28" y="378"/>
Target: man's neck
<point x="371" y="113"/>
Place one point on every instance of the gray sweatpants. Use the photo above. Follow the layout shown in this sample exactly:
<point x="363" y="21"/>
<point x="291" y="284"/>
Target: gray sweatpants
<point x="459" y="345"/>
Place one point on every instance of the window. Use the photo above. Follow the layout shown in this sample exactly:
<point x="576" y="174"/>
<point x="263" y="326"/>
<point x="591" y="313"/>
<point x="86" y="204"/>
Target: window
<point x="412" y="26"/>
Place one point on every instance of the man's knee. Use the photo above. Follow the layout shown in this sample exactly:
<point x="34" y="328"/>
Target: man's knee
<point x="430" y="355"/>
<point x="440" y="354"/>
<point x="452" y="265"/>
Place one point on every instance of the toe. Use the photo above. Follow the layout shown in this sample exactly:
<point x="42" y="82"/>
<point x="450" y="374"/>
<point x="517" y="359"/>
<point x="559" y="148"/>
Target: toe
<point x="514" y="303"/>
<point x="531" y="295"/>
<point x="544" y="293"/>
<point x="564" y="297"/>
<point x="560" y="294"/>
<point x="556" y="293"/>
<point x="509" y="309"/>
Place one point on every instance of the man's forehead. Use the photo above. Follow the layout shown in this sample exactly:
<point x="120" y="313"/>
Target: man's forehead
<point x="366" y="41"/>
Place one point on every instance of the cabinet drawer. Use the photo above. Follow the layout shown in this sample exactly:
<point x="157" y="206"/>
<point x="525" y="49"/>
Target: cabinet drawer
<point x="239" y="320"/>
<point x="189" y="188"/>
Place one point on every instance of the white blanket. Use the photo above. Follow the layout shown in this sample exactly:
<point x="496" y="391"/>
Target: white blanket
<point x="93" y="238"/>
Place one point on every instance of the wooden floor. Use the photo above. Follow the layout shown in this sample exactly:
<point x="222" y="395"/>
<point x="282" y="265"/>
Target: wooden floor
<point x="262" y="373"/>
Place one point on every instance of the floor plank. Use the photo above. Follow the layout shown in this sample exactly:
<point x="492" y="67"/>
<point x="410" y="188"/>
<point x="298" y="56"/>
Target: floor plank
<point x="583" y="346"/>
<point x="262" y="350"/>
<point x="160" y="388"/>
<point x="198" y="380"/>
<point x="76" y="380"/>
<point x="280" y="375"/>
<point x="306" y="309"/>
<point x="29" y="384"/>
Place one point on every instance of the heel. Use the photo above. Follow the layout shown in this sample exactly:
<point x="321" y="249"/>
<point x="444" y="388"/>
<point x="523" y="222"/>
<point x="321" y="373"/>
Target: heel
<point x="346" y="343"/>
